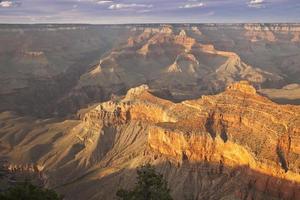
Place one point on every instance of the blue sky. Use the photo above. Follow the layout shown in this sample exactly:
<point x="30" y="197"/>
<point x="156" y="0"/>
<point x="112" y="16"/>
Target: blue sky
<point x="148" y="11"/>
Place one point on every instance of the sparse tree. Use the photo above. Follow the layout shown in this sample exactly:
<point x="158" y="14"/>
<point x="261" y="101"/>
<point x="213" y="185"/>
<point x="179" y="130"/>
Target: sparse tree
<point x="28" y="191"/>
<point x="150" y="186"/>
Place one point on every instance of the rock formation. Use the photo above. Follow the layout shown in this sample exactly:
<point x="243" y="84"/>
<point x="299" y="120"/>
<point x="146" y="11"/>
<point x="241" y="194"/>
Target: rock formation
<point x="236" y="145"/>
<point x="259" y="32"/>
<point x="287" y="94"/>
<point x="115" y="114"/>
<point x="196" y="30"/>
<point x="46" y="79"/>
<point x="169" y="60"/>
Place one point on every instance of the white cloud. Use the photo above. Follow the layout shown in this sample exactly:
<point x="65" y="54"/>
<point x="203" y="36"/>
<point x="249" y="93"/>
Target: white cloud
<point x="104" y="2"/>
<point x="6" y="4"/>
<point x="97" y="1"/>
<point x="256" y="3"/>
<point x="193" y="5"/>
<point x="144" y="11"/>
<point x="127" y="6"/>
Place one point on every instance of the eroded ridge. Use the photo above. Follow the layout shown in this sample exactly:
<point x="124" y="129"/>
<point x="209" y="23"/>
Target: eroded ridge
<point x="236" y="137"/>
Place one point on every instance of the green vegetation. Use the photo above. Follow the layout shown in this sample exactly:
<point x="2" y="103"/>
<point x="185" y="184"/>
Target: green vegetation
<point x="27" y="191"/>
<point x="150" y="186"/>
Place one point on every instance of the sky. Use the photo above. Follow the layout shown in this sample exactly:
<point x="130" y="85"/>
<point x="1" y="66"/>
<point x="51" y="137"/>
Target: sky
<point x="148" y="11"/>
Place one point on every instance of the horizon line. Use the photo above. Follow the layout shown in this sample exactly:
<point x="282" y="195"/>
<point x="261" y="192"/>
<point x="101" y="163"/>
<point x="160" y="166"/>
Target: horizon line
<point x="152" y="23"/>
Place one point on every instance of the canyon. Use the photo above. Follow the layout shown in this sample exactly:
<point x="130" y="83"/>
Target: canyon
<point x="179" y="61"/>
<point x="197" y="144"/>
<point x="214" y="107"/>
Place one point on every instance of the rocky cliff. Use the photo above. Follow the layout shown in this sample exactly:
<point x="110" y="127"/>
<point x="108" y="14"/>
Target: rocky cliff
<point x="234" y="145"/>
<point x="179" y="61"/>
<point x="270" y="32"/>
<point x="167" y="59"/>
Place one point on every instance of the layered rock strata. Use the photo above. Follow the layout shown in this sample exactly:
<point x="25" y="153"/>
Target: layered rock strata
<point x="235" y="145"/>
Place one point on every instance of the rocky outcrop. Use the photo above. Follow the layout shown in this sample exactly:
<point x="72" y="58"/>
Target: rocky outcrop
<point x="234" y="122"/>
<point x="28" y="167"/>
<point x="34" y="53"/>
<point x="170" y="59"/>
<point x="273" y="27"/>
<point x="133" y="92"/>
<point x="255" y="36"/>
<point x="58" y="78"/>
<point x="185" y="41"/>
<point x="287" y="94"/>
<point x="296" y="37"/>
<point x="242" y="86"/>
<point x="166" y="36"/>
<point x="186" y="63"/>
<point x="235" y="69"/>
<point x="196" y="30"/>
<point x="236" y="144"/>
<point x="269" y="32"/>
<point x="166" y="30"/>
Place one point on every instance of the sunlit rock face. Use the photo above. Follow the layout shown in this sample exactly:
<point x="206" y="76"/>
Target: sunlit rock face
<point x="242" y="86"/>
<point x="234" y="145"/>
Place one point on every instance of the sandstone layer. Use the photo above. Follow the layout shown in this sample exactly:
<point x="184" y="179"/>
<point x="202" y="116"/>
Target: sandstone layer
<point x="234" y="145"/>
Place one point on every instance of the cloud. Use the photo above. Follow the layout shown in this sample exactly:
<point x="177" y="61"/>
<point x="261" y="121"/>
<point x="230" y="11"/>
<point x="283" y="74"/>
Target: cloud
<point x="97" y="1"/>
<point x="104" y="2"/>
<point x="256" y="3"/>
<point x="9" y="4"/>
<point x="120" y="6"/>
<point x="74" y="7"/>
<point x="193" y="5"/>
<point x="6" y="4"/>
<point x="144" y="11"/>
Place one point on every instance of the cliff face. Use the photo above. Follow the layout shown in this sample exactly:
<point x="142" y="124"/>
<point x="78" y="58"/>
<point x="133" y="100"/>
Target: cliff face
<point x="259" y="32"/>
<point x="186" y="61"/>
<point x="234" y="145"/>
<point x="238" y="128"/>
<point x="235" y="129"/>
<point x="169" y="59"/>
<point x="273" y="27"/>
